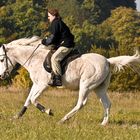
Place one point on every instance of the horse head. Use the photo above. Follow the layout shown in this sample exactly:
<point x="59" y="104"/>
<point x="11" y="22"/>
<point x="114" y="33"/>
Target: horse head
<point x="6" y="64"/>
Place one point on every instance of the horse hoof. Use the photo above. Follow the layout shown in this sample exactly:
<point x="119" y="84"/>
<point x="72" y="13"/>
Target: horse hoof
<point x="49" y="112"/>
<point x="104" y="123"/>
<point x="16" y="116"/>
<point x="60" y="122"/>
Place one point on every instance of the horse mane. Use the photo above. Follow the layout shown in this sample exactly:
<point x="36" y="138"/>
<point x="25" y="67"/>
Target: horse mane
<point x="32" y="41"/>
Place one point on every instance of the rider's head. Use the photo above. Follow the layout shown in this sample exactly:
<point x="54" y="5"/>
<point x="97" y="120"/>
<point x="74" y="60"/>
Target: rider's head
<point x="53" y="14"/>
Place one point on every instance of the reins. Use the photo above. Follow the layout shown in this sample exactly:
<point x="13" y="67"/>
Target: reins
<point x="31" y="55"/>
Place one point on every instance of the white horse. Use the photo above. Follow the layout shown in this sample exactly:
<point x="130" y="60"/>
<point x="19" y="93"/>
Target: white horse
<point x="89" y="72"/>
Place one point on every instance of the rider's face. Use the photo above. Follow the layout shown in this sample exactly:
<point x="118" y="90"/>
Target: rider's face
<point x="50" y="17"/>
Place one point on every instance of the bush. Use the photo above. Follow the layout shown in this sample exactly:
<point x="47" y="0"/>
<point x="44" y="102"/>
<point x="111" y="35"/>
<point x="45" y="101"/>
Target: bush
<point x="22" y="80"/>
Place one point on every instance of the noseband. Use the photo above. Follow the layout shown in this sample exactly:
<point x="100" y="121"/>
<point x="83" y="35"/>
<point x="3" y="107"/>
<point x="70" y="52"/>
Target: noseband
<point x="7" y="72"/>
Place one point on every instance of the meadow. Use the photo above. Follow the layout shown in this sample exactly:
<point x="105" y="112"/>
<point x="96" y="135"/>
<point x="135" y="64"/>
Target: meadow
<point x="124" y="121"/>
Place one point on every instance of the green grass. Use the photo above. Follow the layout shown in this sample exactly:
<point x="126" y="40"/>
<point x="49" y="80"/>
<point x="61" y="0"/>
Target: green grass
<point x="85" y="125"/>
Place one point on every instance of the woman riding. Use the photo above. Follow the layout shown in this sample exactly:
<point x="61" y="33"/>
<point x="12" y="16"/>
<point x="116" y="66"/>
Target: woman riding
<point x="62" y="41"/>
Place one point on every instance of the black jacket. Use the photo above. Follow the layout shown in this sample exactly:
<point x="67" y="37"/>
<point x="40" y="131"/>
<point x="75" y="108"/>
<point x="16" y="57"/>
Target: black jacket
<point x="60" y="35"/>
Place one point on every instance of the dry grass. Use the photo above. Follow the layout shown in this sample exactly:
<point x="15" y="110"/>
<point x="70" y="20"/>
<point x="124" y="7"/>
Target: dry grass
<point x="124" y="119"/>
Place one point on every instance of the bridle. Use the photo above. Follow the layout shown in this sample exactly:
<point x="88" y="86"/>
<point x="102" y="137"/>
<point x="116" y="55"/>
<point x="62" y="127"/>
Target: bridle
<point x="7" y="72"/>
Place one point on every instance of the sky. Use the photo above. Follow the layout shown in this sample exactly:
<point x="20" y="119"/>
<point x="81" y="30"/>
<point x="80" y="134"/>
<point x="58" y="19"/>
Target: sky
<point x="138" y="5"/>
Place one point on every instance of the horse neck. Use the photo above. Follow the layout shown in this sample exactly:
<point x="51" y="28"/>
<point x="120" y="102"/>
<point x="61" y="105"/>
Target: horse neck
<point x="24" y="54"/>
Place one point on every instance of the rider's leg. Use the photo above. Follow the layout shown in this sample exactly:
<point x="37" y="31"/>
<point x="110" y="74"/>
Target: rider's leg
<point x="57" y="57"/>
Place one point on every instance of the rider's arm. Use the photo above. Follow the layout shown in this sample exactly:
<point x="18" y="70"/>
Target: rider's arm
<point x="53" y="38"/>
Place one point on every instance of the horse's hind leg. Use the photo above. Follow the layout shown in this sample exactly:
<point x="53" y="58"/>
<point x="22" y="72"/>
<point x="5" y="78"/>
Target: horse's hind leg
<point x="85" y="101"/>
<point x="83" y="93"/>
<point x="101" y="92"/>
<point x="106" y="104"/>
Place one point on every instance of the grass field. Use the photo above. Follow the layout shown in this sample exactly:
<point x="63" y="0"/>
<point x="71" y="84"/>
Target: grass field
<point x="85" y="125"/>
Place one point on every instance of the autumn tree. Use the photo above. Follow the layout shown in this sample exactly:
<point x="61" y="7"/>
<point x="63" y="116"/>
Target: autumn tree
<point x="125" y="24"/>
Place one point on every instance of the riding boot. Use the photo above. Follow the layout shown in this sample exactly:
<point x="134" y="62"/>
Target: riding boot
<point x="58" y="80"/>
<point x="51" y="82"/>
<point x="55" y="80"/>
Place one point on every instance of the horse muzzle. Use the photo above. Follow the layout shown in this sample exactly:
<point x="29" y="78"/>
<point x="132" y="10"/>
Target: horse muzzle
<point x="4" y="75"/>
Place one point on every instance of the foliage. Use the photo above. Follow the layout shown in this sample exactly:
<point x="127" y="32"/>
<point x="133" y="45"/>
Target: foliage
<point x="96" y="10"/>
<point x="125" y="24"/>
<point x="67" y="8"/>
<point x="21" y="19"/>
<point x="125" y="81"/>
<point x="5" y="2"/>
<point x="22" y="80"/>
<point x="124" y="3"/>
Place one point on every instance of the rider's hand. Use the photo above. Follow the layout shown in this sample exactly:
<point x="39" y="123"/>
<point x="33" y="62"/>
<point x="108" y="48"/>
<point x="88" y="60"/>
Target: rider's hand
<point x="43" y="41"/>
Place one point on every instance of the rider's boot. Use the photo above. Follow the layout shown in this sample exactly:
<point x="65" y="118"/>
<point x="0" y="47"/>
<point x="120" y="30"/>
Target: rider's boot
<point x="55" y="80"/>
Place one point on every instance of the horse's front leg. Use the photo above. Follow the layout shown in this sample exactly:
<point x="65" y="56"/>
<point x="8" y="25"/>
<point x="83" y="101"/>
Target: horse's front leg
<point x="34" y="96"/>
<point x="35" y="92"/>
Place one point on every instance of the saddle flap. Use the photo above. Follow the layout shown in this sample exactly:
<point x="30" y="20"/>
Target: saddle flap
<point x="70" y="57"/>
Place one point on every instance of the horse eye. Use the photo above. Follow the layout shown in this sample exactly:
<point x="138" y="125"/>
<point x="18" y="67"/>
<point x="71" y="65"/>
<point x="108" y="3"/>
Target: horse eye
<point x="1" y="60"/>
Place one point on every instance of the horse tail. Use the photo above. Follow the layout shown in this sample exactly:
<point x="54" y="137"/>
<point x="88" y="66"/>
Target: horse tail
<point x="132" y="62"/>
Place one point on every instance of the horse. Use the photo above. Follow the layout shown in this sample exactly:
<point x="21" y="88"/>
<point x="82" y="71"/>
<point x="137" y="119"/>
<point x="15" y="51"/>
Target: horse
<point x="89" y="72"/>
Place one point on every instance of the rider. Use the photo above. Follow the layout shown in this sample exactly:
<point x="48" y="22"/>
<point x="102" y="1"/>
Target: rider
<point x="62" y="41"/>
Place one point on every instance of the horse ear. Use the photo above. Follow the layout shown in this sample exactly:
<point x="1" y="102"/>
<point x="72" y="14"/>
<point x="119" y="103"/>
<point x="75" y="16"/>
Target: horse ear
<point x="2" y="46"/>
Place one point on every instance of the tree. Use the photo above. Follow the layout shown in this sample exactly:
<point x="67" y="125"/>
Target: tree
<point x="96" y="11"/>
<point x="124" y="3"/>
<point x="21" y="19"/>
<point x="67" y="8"/>
<point x="5" y="2"/>
<point x="125" y="24"/>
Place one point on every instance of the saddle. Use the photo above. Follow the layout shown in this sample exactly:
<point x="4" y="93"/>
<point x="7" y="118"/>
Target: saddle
<point x="70" y="57"/>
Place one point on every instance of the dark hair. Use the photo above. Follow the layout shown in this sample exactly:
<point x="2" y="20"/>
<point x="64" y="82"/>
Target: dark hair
<point x="54" y="12"/>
